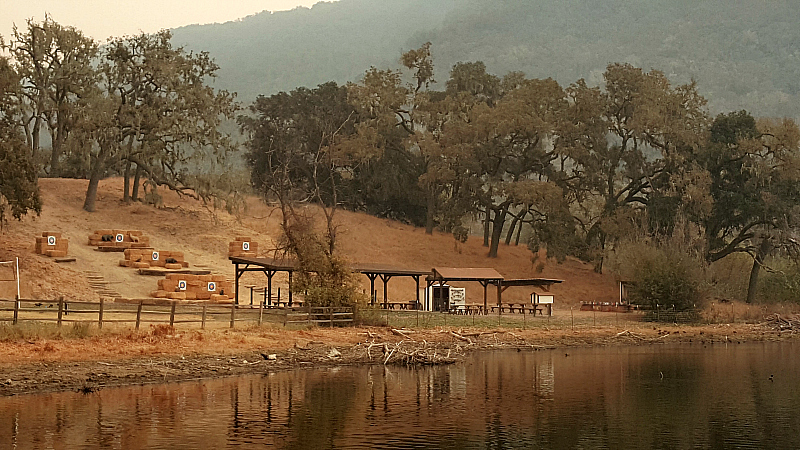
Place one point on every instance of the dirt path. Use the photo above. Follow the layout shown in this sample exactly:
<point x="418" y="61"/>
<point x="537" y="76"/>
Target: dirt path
<point x="127" y="359"/>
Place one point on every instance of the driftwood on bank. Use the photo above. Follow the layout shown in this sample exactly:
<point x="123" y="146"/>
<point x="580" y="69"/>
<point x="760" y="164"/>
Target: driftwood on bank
<point x="409" y="353"/>
<point x="778" y="322"/>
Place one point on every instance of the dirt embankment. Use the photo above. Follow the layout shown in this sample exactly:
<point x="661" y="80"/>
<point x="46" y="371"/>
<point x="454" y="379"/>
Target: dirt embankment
<point x="154" y="357"/>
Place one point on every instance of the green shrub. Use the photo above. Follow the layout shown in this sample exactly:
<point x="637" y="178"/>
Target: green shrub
<point x="663" y="275"/>
<point x="780" y="285"/>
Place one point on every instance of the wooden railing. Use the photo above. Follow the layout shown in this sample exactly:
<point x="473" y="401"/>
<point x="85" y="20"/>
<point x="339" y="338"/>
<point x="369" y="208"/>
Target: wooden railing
<point x="172" y="313"/>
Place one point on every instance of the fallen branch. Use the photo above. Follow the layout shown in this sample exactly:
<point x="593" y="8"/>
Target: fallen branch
<point x="460" y="337"/>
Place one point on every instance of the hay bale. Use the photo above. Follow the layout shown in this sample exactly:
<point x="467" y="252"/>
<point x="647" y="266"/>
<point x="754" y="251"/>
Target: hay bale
<point x="161" y="294"/>
<point x="124" y="263"/>
<point x="203" y="295"/>
<point x="174" y="276"/>
<point x="172" y="266"/>
<point x="177" y="295"/>
<point x="56" y="253"/>
<point x="141" y="265"/>
<point x="191" y="295"/>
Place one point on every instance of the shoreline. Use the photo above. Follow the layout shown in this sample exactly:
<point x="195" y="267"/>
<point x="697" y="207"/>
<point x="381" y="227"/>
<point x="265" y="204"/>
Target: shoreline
<point x="90" y="364"/>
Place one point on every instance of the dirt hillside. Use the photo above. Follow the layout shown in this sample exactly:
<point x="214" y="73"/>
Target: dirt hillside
<point x="203" y="234"/>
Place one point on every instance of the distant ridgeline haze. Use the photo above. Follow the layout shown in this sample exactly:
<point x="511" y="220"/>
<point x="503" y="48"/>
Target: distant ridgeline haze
<point x="743" y="54"/>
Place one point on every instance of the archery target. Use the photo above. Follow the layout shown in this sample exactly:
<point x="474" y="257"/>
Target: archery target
<point x="51" y="240"/>
<point x="182" y="285"/>
<point x="119" y="237"/>
<point x="246" y="246"/>
<point x="212" y="286"/>
<point x="154" y="256"/>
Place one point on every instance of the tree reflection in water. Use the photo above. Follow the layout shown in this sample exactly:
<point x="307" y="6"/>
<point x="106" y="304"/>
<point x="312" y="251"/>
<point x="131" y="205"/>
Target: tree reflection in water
<point x="622" y="397"/>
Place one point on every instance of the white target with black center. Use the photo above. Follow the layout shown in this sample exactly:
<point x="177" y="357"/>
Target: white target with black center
<point x="212" y="286"/>
<point x="246" y="246"/>
<point x="154" y="256"/>
<point x="182" y="285"/>
<point x="51" y="240"/>
<point x="119" y="237"/>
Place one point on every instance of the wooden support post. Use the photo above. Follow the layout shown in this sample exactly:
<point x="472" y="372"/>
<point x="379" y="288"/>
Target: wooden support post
<point x="203" y="319"/>
<point x="331" y="311"/>
<point x="233" y="315"/>
<point x="100" y="313"/>
<point x="60" y="309"/>
<point x="172" y="313"/>
<point x="416" y="305"/>
<point x="268" y="293"/>
<point x="237" y="276"/>
<point x="385" y="279"/>
<point x="290" y="289"/>
<point x="500" y="296"/>
<point x="251" y="295"/>
<point x="260" y="313"/>
<point x="485" y="300"/>
<point x="139" y="314"/>
<point x="16" y="311"/>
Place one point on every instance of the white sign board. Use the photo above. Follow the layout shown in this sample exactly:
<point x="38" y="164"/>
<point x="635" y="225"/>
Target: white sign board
<point x="458" y="296"/>
<point x="51" y="240"/>
<point x="545" y="299"/>
<point x="212" y="286"/>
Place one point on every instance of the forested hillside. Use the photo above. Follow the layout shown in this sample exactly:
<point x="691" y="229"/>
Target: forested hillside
<point x="743" y="54"/>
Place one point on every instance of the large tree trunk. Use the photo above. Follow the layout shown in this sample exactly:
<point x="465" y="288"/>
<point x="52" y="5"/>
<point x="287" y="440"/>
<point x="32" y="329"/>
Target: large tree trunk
<point x="497" y="229"/>
<point x="55" y="154"/>
<point x="514" y="223"/>
<point x="486" y="221"/>
<point x="758" y="261"/>
<point x="519" y="229"/>
<point x="37" y="125"/>
<point x="136" y="179"/>
<point x="97" y="172"/>
<point x="126" y="183"/>
<point x="431" y="201"/>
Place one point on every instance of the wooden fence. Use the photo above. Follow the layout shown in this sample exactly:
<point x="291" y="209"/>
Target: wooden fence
<point x="172" y="313"/>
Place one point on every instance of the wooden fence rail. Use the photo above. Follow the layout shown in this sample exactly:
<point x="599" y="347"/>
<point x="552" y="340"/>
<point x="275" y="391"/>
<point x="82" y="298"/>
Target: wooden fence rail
<point x="61" y="311"/>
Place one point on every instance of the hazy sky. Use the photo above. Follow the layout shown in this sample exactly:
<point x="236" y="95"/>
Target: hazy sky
<point x="101" y="19"/>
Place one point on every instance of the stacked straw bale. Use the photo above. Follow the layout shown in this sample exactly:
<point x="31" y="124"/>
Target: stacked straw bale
<point x="144" y="259"/>
<point x="243" y="247"/>
<point x="130" y="239"/>
<point x="59" y="248"/>
<point x="197" y="287"/>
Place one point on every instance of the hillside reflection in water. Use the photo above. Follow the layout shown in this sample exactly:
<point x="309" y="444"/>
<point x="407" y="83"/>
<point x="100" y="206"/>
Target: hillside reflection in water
<point x="634" y="397"/>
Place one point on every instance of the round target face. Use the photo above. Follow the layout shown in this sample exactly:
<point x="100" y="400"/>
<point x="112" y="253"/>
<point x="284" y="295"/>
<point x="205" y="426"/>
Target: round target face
<point x="51" y="240"/>
<point x="182" y="285"/>
<point x="154" y="257"/>
<point x="246" y="246"/>
<point x="212" y="286"/>
<point x="119" y="238"/>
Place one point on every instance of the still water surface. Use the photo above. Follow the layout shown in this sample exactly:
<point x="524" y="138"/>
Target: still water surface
<point x="655" y="397"/>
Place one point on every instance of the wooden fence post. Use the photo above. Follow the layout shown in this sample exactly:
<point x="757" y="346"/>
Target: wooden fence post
<point x="60" y="309"/>
<point x="260" y="312"/>
<point x="16" y="311"/>
<point x="331" y="317"/>
<point x="203" y="320"/>
<point x="172" y="314"/>
<point x="139" y="314"/>
<point x="100" y="314"/>
<point x="233" y="314"/>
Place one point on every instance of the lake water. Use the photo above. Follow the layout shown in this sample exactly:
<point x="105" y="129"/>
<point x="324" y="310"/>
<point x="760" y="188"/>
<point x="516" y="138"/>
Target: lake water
<point x="735" y="396"/>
